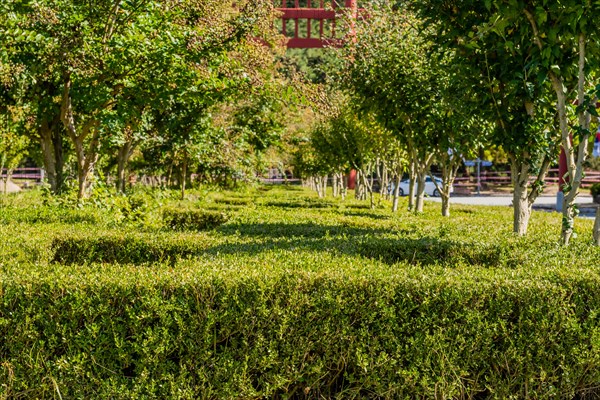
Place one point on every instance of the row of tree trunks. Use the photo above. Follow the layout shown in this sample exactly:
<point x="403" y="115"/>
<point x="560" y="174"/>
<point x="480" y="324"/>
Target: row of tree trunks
<point x="339" y="184"/>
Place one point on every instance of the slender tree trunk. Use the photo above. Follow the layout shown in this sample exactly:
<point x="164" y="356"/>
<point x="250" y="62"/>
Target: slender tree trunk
<point x="169" y="176"/>
<point x="334" y="185"/>
<point x="445" y="205"/>
<point x="183" y="175"/>
<point x="50" y="138"/>
<point x="420" y="195"/>
<point x="121" y="161"/>
<point x="521" y="210"/>
<point x="521" y="205"/>
<point x="123" y="156"/>
<point x="59" y="161"/>
<point x="358" y="186"/>
<point x="421" y="168"/>
<point x="524" y="194"/>
<point x="412" y="186"/>
<point x="369" y="185"/>
<point x="384" y="183"/>
<point x="5" y="178"/>
<point x="597" y="228"/>
<point x="86" y="163"/>
<point x="396" y="193"/>
<point x="47" y="146"/>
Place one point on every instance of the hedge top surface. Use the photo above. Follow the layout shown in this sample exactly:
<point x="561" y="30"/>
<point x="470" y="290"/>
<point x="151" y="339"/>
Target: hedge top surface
<point x="275" y="235"/>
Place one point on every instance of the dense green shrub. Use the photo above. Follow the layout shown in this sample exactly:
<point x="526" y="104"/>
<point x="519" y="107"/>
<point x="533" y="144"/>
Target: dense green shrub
<point x="199" y="334"/>
<point x="325" y="301"/>
<point x="197" y="220"/>
<point x="119" y="249"/>
<point x="595" y="189"/>
<point x="234" y="201"/>
<point x="299" y="203"/>
<point x="46" y="215"/>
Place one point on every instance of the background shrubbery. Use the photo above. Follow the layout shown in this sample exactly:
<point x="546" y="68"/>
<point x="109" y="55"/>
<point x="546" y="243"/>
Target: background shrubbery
<point x="289" y="302"/>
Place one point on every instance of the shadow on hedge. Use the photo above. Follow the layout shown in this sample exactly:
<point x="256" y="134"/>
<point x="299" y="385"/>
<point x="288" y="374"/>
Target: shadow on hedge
<point x="364" y="242"/>
<point x="429" y="250"/>
<point x="343" y="240"/>
<point x="365" y="215"/>
<point x="292" y="204"/>
<point x="308" y="230"/>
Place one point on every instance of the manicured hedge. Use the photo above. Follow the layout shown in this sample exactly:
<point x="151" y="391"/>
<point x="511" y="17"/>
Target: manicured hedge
<point x="328" y="301"/>
<point x="198" y="220"/>
<point x="298" y="334"/>
<point x="127" y="249"/>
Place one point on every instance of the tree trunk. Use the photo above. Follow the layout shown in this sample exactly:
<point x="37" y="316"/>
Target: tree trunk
<point x="59" y="160"/>
<point x="86" y="163"/>
<point x="597" y="228"/>
<point x="445" y="204"/>
<point x="421" y="168"/>
<point x="334" y="185"/>
<point x="123" y="156"/>
<point x="420" y="195"/>
<point x="358" y="187"/>
<point x="183" y="176"/>
<point x="396" y="193"/>
<point x="384" y="183"/>
<point x="121" y="161"/>
<point x="521" y="204"/>
<point x="521" y="210"/>
<point x="411" y="188"/>
<point x="50" y="138"/>
<point x="47" y="145"/>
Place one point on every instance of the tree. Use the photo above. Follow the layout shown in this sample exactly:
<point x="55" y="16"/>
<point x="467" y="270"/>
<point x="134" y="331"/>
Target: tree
<point x="512" y="88"/>
<point x="99" y="50"/>
<point x="410" y="94"/>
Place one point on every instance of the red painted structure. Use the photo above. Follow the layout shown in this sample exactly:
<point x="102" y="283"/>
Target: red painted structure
<point x="325" y="18"/>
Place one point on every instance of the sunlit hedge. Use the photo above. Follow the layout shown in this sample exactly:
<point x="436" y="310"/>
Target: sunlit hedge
<point x="286" y="302"/>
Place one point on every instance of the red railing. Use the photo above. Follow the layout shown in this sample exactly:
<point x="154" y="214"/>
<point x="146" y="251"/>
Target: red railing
<point x="37" y="174"/>
<point x="304" y="34"/>
<point x="503" y="178"/>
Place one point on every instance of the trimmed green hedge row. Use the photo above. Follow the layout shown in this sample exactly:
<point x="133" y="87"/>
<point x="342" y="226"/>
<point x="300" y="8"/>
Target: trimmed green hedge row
<point x="302" y="335"/>
<point x="198" y="220"/>
<point x="120" y="249"/>
<point x="331" y="300"/>
<point x="431" y="250"/>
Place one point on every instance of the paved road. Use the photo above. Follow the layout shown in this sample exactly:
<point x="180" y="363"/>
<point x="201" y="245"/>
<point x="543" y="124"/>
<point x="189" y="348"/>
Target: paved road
<point x="504" y="200"/>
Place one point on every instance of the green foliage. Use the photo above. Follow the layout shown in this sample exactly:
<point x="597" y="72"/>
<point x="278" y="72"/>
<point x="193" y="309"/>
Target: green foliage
<point x="287" y="302"/>
<point x="198" y="220"/>
<point x="595" y="189"/>
<point x="119" y="249"/>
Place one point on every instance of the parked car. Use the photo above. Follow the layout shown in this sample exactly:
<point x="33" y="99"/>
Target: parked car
<point x="430" y="188"/>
